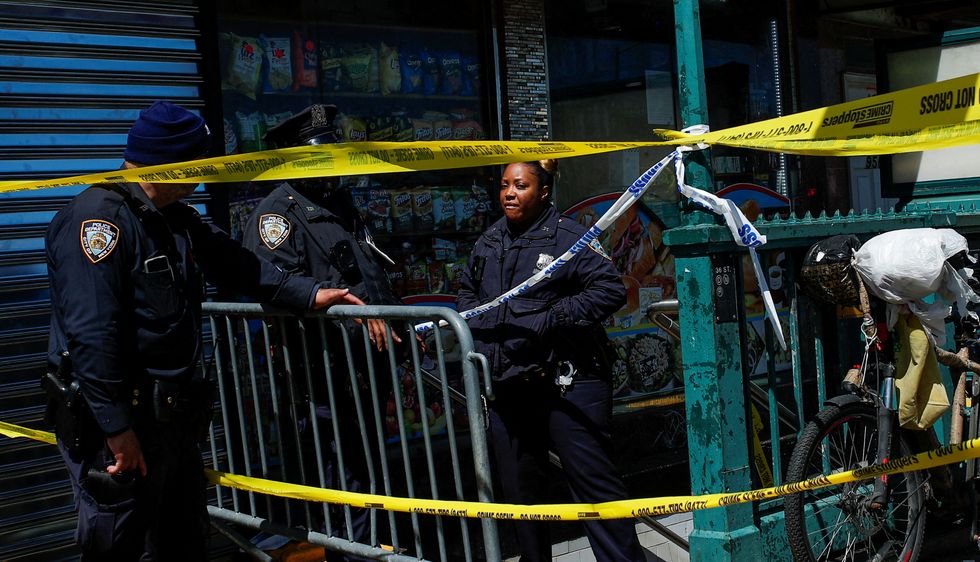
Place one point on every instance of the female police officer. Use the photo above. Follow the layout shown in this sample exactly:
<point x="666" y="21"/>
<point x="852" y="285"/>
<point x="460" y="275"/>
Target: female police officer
<point x="553" y="328"/>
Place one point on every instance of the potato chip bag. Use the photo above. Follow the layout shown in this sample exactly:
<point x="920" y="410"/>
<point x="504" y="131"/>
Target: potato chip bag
<point x="251" y="129"/>
<point x="361" y="197"/>
<point x="231" y="139"/>
<point x="437" y="278"/>
<point x="442" y="130"/>
<point x="404" y="129"/>
<point x="353" y="129"/>
<point x="278" y="75"/>
<point x="402" y="218"/>
<point x="443" y="249"/>
<point x="465" y="211"/>
<point x="417" y="278"/>
<point x="422" y="208"/>
<point x="471" y="77"/>
<point x="423" y="130"/>
<point x="356" y="63"/>
<point x="467" y="130"/>
<point x="454" y="275"/>
<point x="379" y="210"/>
<point x="443" y="209"/>
<point x="430" y="72"/>
<point x="304" y="63"/>
<point x="411" y="67"/>
<point x="243" y="65"/>
<point x="332" y="68"/>
<point x="380" y="128"/>
<point x="451" y="73"/>
<point x="390" y="71"/>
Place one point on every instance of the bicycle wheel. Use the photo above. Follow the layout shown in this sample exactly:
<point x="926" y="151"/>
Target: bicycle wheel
<point x="838" y="523"/>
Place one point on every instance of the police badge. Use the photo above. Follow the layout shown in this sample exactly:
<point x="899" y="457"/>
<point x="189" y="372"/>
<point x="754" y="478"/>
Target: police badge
<point x="544" y="260"/>
<point x="99" y="238"/>
<point x="273" y="230"/>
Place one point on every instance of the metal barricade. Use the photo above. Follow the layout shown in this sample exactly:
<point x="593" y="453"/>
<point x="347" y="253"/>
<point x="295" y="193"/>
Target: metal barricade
<point x="307" y="399"/>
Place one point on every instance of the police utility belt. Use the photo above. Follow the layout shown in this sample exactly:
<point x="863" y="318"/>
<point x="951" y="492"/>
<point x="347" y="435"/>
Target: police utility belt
<point x="189" y="404"/>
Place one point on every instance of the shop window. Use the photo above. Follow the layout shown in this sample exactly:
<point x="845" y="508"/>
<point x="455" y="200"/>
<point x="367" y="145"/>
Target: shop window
<point x="396" y="72"/>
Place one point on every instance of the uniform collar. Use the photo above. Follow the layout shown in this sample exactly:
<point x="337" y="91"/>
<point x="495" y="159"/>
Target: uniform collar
<point x="310" y="209"/>
<point x="136" y="192"/>
<point x="545" y="226"/>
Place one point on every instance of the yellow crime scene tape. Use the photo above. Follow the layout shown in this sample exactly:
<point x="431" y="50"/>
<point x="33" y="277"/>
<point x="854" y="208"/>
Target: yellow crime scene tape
<point x="623" y="509"/>
<point x="940" y="115"/>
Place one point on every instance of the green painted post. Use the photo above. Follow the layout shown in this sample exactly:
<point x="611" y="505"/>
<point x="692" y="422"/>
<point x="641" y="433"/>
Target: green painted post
<point x="711" y="346"/>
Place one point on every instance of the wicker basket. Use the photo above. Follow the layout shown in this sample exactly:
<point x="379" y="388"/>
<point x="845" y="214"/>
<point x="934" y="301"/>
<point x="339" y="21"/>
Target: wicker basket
<point x="830" y="283"/>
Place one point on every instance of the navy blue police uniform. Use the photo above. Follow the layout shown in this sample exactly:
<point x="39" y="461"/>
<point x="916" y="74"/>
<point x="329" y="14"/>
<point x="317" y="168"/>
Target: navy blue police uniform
<point x="555" y="323"/>
<point x="307" y="227"/>
<point x="127" y="282"/>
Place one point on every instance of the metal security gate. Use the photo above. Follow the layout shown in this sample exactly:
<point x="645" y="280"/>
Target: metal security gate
<point x="303" y="399"/>
<point x="73" y="77"/>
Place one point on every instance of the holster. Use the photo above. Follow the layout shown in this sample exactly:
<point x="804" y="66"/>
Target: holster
<point x="68" y="412"/>
<point x="189" y="404"/>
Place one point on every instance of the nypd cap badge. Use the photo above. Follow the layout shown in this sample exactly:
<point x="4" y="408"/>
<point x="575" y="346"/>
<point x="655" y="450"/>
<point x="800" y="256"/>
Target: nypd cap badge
<point x="273" y="230"/>
<point x="99" y="238"/>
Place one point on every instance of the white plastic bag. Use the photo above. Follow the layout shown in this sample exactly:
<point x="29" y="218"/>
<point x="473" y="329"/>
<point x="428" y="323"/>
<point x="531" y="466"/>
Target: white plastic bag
<point x="906" y="266"/>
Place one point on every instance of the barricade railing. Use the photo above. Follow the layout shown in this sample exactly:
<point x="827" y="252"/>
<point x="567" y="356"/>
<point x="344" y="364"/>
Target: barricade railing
<point x="306" y="399"/>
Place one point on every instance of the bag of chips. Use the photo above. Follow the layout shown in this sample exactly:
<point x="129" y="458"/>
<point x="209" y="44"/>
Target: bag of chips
<point x="231" y="139"/>
<point x="391" y="72"/>
<point x="357" y="68"/>
<point x="380" y="128"/>
<point x="467" y="130"/>
<point x="353" y="129"/>
<point x="423" y="130"/>
<point x="443" y="209"/>
<point x="451" y="73"/>
<point x="422" y="208"/>
<point x="243" y="64"/>
<point x="430" y="72"/>
<point x="471" y="77"/>
<point x="417" y="278"/>
<point x="442" y="130"/>
<point x="443" y="249"/>
<point x="332" y="68"/>
<point x="437" y="278"/>
<point x="379" y="211"/>
<point x="404" y="129"/>
<point x="465" y="209"/>
<point x="251" y="129"/>
<point x="411" y="67"/>
<point x="402" y="218"/>
<point x="278" y="75"/>
<point x="454" y="275"/>
<point x="304" y="63"/>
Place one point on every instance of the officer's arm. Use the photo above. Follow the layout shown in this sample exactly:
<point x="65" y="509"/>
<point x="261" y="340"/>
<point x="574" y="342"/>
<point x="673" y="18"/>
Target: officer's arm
<point x="228" y="265"/>
<point x="90" y="280"/>
<point x="468" y="296"/>
<point x="603" y="292"/>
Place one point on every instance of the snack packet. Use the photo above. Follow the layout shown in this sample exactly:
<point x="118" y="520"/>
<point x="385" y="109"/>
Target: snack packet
<point x="278" y="75"/>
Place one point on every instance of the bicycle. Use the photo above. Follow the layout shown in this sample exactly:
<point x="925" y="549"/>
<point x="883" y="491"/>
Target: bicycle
<point x="882" y="519"/>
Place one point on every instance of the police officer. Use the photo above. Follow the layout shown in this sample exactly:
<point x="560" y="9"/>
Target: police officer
<point x="312" y="227"/>
<point x="127" y="264"/>
<point x="546" y="349"/>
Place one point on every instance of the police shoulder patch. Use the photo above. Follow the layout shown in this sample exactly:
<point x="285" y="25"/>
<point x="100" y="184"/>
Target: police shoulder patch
<point x="99" y="238"/>
<point x="273" y="230"/>
<point x="597" y="248"/>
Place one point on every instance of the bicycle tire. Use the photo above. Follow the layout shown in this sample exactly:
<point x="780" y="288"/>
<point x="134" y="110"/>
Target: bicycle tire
<point x="863" y="532"/>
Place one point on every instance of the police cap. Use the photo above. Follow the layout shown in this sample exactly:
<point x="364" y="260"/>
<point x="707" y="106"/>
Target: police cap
<point x="313" y="125"/>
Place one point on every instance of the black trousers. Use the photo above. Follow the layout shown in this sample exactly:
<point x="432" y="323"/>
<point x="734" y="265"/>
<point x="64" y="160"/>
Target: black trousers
<point x="529" y="416"/>
<point x="162" y="516"/>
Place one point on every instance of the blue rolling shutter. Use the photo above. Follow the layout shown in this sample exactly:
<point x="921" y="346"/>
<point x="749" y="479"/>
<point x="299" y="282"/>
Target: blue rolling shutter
<point x="73" y="77"/>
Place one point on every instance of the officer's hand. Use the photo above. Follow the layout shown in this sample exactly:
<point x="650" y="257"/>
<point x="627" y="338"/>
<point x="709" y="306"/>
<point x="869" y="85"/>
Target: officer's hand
<point x="330" y="297"/>
<point x="125" y="448"/>
<point x="376" y="332"/>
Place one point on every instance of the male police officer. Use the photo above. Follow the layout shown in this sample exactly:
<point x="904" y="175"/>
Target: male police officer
<point x="310" y="227"/>
<point x="125" y="263"/>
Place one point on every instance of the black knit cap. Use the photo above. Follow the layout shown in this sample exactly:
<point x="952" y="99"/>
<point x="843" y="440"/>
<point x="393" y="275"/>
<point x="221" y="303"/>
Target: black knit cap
<point x="313" y="125"/>
<point x="166" y="133"/>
